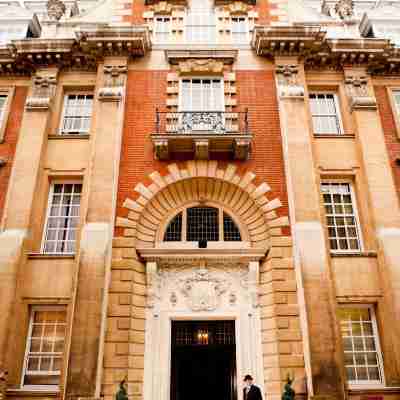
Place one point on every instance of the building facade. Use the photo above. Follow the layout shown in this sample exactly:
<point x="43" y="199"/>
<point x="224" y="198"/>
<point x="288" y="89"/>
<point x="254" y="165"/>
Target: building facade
<point x="195" y="190"/>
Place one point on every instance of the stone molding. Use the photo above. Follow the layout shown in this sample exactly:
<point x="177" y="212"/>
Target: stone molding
<point x="193" y="66"/>
<point x="114" y="82"/>
<point x="226" y="56"/>
<point x="378" y="56"/>
<point x="288" y="82"/>
<point x="84" y="52"/>
<point x="43" y="91"/>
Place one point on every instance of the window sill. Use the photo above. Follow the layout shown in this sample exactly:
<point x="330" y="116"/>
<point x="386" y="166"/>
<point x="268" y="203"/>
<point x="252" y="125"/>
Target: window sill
<point x="67" y="137"/>
<point x="372" y="389"/>
<point x="50" y="256"/>
<point x="334" y="136"/>
<point x="372" y="254"/>
<point x="32" y="391"/>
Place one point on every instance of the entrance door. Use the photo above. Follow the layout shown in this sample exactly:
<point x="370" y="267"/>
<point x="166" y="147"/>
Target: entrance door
<point x="203" y="360"/>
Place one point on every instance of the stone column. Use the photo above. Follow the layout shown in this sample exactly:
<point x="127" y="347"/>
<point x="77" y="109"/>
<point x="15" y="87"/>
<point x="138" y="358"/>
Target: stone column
<point x="383" y="200"/>
<point x="316" y="294"/>
<point x="91" y="296"/>
<point x="23" y="184"/>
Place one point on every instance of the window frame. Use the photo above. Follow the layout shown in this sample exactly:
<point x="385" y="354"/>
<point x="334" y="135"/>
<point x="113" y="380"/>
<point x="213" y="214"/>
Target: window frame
<point x="221" y="210"/>
<point x="64" y="103"/>
<point x="34" y="308"/>
<point x="336" y="99"/>
<point x="246" y="34"/>
<point x="155" y="25"/>
<point x="48" y="207"/>
<point x="367" y="384"/>
<point x="395" y="107"/>
<point x="356" y="216"/>
<point x="5" y="113"/>
<point x="201" y="77"/>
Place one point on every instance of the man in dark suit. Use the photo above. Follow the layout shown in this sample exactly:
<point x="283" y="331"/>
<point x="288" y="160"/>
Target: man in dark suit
<point x="250" y="391"/>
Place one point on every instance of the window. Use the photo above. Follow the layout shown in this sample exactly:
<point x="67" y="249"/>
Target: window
<point x="240" y="30"/>
<point x="44" y="347"/>
<point x="325" y="113"/>
<point x="201" y="23"/>
<point x="396" y="98"/>
<point x="62" y="218"/>
<point x="341" y="217"/>
<point x="3" y="105"/>
<point x="77" y="114"/>
<point x="202" y="223"/>
<point x="200" y="94"/>
<point x="162" y="29"/>
<point x="362" y="356"/>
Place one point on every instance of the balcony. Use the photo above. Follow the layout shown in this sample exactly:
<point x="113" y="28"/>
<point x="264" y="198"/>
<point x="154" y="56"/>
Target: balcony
<point x="202" y="135"/>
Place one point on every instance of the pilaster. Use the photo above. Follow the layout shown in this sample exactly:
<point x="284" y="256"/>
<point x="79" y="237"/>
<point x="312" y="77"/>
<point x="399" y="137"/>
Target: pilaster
<point x="22" y="189"/>
<point x="94" y="257"/>
<point x="316" y="295"/>
<point x="384" y="205"/>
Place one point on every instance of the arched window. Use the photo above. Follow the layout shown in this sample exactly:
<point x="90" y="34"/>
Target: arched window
<point x="202" y="223"/>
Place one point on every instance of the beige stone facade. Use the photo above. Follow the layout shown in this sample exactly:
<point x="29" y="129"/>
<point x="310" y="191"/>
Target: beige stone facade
<point x="313" y="281"/>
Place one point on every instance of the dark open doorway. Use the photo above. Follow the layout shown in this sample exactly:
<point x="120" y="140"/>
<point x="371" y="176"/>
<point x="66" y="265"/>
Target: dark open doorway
<point x="203" y="360"/>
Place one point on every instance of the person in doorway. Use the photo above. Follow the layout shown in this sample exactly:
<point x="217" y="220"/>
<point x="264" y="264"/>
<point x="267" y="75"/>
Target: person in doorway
<point x="251" y="391"/>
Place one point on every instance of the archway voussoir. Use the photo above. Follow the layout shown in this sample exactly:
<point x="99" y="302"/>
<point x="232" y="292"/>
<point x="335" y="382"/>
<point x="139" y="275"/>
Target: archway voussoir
<point x="262" y="200"/>
<point x="212" y="168"/>
<point x="236" y="179"/>
<point x="272" y="205"/>
<point x="230" y="172"/>
<point x="157" y="179"/>
<point x="261" y="190"/>
<point x="247" y="178"/>
<point x="185" y="174"/>
<point x="202" y="168"/>
<point x="279" y="222"/>
<point x="125" y="223"/>
<point x="142" y="201"/>
<point x="132" y="205"/>
<point x="191" y="165"/>
<point x="220" y="174"/>
<point x="143" y="190"/>
<point x="271" y="215"/>
<point x="174" y="171"/>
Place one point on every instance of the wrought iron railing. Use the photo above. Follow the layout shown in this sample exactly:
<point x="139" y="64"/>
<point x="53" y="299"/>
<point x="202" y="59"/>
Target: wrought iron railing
<point x="202" y="122"/>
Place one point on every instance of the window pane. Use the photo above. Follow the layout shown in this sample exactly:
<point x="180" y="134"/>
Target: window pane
<point x="231" y="231"/>
<point x="202" y="224"/>
<point x="77" y="114"/>
<point x="359" y="343"/>
<point x="173" y="232"/>
<point x="325" y="115"/>
<point x="45" y="347"/>
<point x="62" y="220"/>
<point x="340" y="217"/>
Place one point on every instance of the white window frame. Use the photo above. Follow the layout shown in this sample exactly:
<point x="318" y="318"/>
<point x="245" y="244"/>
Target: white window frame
<point x="369" y="384"/>
<point x="5" y="111"/>
<point x="245" y="35"/>
<point x="49" y="202"/>
<point x="33" y="309"/>
<point x="64" y="106"/>
<point x="169" y="28"/>
<point x="211" y="78"/>
<point x="337" y="107"/>
<point x="356" y="217"/>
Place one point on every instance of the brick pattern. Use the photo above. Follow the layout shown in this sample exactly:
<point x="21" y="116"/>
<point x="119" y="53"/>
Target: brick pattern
<point x="7" y="148"/>
<point x="389" y="129"/>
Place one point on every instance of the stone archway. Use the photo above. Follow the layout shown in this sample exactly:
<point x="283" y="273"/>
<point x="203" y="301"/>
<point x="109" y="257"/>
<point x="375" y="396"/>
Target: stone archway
<point x="136" y="261"/>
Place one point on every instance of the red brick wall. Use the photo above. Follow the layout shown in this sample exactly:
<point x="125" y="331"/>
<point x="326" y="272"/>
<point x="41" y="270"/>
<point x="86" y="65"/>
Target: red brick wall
<point x="146" y="91"/>
<point x="389" y="129"/>
<point x="7" y="148"/>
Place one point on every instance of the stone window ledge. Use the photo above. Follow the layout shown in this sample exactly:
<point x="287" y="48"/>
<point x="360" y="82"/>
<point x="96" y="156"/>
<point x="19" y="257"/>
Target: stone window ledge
<point x="43" y="256"/>
<point x="359" y="390"/>
<point x="372" y="254"/>
<point x="30" y="392"/>
<point x="334" y="136"/>
<point x="68" y="137"/>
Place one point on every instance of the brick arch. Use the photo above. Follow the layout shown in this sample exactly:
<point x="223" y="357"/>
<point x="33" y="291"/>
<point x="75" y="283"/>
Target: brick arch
<point x="202" y="180"/>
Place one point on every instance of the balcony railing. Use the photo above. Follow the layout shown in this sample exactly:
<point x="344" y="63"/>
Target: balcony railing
<point x="202" y="134"/>
<point x="198" y="122"/>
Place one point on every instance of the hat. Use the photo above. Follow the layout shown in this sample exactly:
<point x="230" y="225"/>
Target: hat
<point x="248" y="378"/>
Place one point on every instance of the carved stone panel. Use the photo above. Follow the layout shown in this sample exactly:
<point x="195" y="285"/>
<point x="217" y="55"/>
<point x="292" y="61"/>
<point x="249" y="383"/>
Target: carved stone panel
<point x="288" y="82"/>
<point x="43" y="90"/>
<point x="358" y="91"/>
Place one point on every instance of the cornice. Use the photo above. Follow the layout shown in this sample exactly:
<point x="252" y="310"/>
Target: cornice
<point x="310" y="45"/>
<point x="84" y="52"/>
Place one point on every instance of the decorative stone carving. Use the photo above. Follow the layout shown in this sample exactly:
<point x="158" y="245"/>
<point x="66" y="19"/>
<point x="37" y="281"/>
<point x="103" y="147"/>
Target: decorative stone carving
<point x="288" y="81"/>
<point x="44" y="87"/>
<point x="203" y="290"/>
<point x="161" y="149"/>
<point x="55" y="9"/>
<point x="251" y="281"/>
<point x="358" y="91"/>
<point x="114" y="82"/>
<point x="153" y="284"/>
<point x="238" y="7"/>
<point x="201" y="66"/>
<point x="162" y="7"/>
<point x="344" y="9"/>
